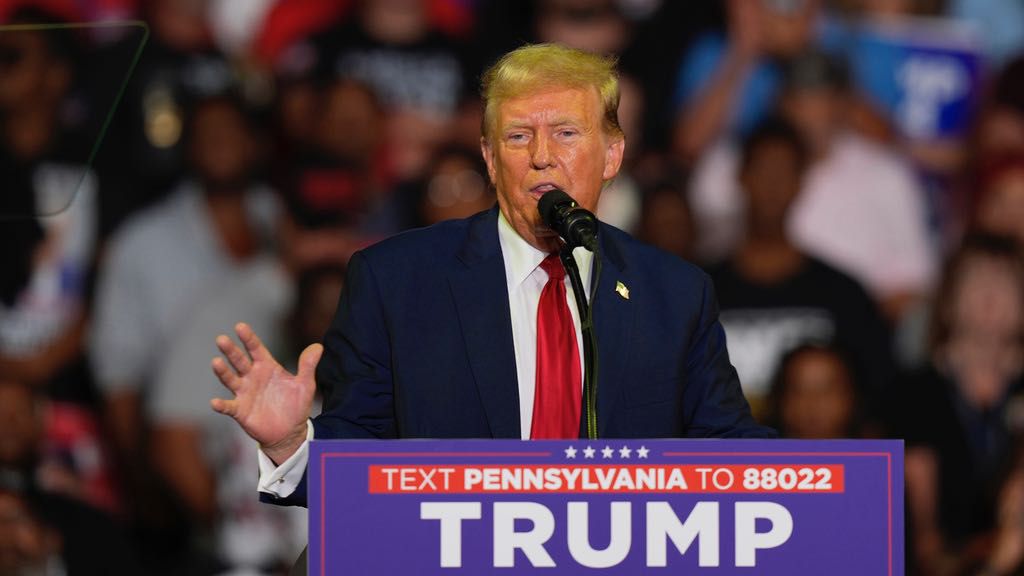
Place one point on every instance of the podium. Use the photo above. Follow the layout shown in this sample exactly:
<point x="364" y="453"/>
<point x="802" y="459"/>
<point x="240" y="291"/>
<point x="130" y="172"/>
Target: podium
<point x="716" y="507"/>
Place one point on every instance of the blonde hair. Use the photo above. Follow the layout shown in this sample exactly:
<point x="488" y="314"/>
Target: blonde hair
<point x="537" y="66"/>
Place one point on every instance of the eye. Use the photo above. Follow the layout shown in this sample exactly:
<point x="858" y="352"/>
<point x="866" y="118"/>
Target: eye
<point x="567" y="132"/>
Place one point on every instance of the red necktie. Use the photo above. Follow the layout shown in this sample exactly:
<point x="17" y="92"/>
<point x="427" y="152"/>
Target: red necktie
<point x="556" y="400"/>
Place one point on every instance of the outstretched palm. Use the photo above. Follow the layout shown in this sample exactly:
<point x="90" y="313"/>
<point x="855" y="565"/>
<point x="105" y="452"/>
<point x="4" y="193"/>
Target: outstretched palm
<point x="270" y="403"/>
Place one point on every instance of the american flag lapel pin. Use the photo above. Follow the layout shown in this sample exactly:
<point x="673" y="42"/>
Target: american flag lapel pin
<point x="622" y="290"/>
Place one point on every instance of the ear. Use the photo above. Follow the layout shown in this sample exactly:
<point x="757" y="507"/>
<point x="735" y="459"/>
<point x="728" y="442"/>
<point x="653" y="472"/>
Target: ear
<point x="613" y="157"/>
<point x="488" y="154"/>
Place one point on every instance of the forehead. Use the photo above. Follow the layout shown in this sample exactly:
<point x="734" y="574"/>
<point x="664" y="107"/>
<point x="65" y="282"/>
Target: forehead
<point x="551" y="105"/>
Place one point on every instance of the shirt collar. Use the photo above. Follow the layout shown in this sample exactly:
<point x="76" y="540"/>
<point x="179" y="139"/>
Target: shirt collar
<point x="521" y="258"/>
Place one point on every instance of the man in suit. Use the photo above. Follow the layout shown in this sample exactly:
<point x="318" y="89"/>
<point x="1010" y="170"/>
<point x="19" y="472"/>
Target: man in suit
<point x="468" y="329"/>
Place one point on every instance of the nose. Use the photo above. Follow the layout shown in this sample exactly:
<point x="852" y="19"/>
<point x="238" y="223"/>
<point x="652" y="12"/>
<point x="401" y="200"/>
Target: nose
<point x="540" y="153"/>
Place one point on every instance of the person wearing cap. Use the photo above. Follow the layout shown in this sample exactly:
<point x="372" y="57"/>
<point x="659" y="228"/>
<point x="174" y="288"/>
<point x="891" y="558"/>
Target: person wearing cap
<point x="469" y="329"/>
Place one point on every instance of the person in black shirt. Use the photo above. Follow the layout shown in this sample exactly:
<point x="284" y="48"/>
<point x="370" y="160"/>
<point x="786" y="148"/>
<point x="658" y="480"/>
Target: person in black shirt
<point x="418" y="72"/>
<point x="774" y="297"/>
<point x="961" y="414"/>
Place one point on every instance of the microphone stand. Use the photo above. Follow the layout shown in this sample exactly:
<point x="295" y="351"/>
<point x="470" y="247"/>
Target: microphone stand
<point x="589" y="338"/>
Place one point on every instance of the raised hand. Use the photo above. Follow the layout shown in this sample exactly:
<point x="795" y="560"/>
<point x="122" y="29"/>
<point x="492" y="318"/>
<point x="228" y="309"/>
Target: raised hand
<point x="270" y="403"/>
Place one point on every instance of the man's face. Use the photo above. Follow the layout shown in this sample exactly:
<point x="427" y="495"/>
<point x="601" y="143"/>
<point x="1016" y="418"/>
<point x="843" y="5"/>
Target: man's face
<point x="547" y="140"/>
<point x="772" y="180"/>
<point x="222" y="148"/>
<point x="817" y="112"/>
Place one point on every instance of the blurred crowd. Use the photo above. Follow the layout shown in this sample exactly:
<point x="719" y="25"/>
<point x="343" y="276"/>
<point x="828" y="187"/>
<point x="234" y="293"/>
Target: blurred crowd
<point x="849" y="172"/>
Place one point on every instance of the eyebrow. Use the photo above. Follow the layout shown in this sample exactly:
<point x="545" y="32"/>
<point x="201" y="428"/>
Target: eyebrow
<point x="515" y="125"/>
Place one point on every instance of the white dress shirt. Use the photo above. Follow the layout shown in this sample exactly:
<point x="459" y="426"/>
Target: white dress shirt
<point x="525" y="280"/>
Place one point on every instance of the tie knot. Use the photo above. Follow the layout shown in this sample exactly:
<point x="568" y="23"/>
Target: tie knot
<point x="553" y="266"/>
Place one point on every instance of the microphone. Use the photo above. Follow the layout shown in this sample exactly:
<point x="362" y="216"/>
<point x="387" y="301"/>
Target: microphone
<point x="576" y="226"/>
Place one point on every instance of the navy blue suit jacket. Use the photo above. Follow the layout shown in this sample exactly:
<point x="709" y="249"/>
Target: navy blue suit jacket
<point x="421" y="344"/>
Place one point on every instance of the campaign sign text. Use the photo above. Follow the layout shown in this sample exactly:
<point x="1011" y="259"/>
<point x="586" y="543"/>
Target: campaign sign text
<point x="719" y="507"/>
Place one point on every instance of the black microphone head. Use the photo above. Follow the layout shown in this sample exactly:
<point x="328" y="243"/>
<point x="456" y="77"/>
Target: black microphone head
<point x="549" y="203"/>
<point x="576" y="226"/>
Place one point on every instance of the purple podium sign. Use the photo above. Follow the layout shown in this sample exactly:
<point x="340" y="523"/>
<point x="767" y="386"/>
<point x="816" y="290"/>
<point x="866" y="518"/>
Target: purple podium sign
<point x="719" y="507"/>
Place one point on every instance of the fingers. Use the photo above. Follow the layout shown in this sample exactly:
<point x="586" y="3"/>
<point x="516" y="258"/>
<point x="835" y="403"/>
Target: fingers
<point x="252" y="342"/>
<point x="238" y="359"/>
<point x="308" y="360"/>
<point x="226" y="375"/>
<point x="226" y="407"/>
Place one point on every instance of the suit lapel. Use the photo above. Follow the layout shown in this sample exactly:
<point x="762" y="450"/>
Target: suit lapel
<point x="613" y="325"/>
<point x="481" y="300"/>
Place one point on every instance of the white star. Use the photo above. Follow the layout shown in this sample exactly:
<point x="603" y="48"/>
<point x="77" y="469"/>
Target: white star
<point x="607" y="452"/>
<point x="588" y="452"/>
<point x="570" y="452"/>
<point x="641" y="452"/>
<point x="624" y="452"/>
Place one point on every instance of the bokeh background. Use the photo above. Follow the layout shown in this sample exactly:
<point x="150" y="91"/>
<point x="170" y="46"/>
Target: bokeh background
<point x="849" y="172"/>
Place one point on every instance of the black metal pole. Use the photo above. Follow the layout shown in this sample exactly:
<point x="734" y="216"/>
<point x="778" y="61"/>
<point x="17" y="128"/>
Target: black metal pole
<point x="589" y="338"/>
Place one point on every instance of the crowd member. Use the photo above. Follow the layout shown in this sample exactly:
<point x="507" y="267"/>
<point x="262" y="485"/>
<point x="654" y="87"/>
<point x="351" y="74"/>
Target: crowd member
<point x="727" y="84"/>
<point x="46" y="519"/>
<point x="1000" y="202"/>
<point x="997" y="137"/>
<point x="144" y="148"/>
<point x="956" y="414"/>
<point x="339" y="185"/>
<point x="49" y="249"/>
<point x="344" y="173"/>
<point x="984" y="197"/>
<point x="773" y="294"/>
<point x="1000" y="127"/>
<point x="217" y="220"/>
<point x="317" y="290"/>
<point x="597" y="26"/>
<point x="455" y="187"/>
<point x="861" y="210"/>
<point x="51" y="534"/>
<point x="289" y="22"/>
<point x="661" y="34"/>
<point x="214" y="219"/>
<point x="665" y="219"/>
<point x="814" y="396"/>
<point x="207" y="462"/>
<point x="418" y="72"/>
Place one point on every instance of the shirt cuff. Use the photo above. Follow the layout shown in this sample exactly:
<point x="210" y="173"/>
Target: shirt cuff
<point x="281" y="481"/>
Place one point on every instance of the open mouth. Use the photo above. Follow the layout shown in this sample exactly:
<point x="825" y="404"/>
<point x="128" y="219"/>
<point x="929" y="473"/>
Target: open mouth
<point x="541" y="189"/>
